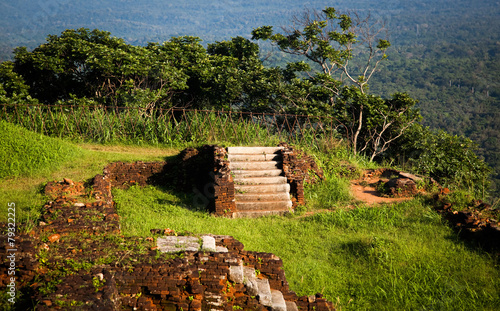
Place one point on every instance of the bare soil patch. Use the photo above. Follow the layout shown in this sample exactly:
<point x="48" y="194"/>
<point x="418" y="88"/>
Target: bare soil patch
<point x="364" y="189"/>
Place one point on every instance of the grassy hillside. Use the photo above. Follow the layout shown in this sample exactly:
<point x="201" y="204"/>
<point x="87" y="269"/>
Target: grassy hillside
<point x="388" y="257"/>
<point x="24" y="153"/>
<point x="28" y="160"/>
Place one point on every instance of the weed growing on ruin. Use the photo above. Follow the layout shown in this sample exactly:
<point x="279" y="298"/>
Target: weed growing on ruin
<point x="98" y="283"/>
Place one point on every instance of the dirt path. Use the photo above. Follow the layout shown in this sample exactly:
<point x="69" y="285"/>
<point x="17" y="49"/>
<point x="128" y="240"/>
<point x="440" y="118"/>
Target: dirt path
<point x="364" y="190"/>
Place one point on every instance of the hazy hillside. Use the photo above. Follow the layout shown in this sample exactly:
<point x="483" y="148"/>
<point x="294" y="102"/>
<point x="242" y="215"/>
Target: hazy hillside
<point x="445" y="53"/>
<point x="24" y="22"/>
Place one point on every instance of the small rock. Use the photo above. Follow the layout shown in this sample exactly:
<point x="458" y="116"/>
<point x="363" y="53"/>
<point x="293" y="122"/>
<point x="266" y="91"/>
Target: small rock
<point x="100" y="276"/>
<point x="54" y="238"/>
<point x="68" y="181"/>
<point x="79" y="204"/>
<point x="42" y="223"/>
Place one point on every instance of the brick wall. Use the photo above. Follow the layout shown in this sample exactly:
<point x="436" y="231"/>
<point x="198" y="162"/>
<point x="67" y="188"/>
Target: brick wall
<point x="123" y="175"/>
<point x="205" y="172"/>
<point x="299" y="168"/>
<point x="223" y="183"/>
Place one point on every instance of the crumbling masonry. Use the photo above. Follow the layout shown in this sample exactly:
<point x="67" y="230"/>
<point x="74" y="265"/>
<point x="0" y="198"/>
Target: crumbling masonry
<point x="204" y="279"/>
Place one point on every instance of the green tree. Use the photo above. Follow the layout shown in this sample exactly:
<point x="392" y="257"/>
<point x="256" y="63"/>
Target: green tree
<point x="248" y="85"/>
<point x="92" y="64"/>
<point x="13" y="90"/>
<point x="330" y="41"/>
<point x="386" y="120"/>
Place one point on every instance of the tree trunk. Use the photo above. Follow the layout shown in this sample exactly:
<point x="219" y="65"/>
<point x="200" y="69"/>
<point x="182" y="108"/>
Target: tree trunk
<point x="360" y="125"/>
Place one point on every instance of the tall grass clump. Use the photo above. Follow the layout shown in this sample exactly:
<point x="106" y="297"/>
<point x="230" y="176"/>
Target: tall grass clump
<point x="90" y="123"/>
<point x="400" y="257"/>
<point x="338" y="169"/>
<point x="24" y="153"/>
<point x="331" y="192"/>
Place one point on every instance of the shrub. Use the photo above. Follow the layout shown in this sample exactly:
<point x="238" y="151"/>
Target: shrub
<point x="450" y="159"/>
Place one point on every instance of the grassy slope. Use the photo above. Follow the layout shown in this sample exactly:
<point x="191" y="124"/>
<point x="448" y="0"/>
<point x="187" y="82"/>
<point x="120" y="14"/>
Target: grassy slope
<point x="398" y="257"/>
<point x="28" y="160"/>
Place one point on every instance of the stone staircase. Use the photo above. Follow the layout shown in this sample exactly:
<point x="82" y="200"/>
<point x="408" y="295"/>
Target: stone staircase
<point x="260" y="188"/>
<point x="259" y="287"/>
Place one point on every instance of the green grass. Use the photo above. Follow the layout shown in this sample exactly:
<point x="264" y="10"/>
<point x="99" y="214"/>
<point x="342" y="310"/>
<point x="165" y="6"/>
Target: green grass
<point x="158" y="127"/>
<point x="24" y="153"/>
<point x="400" y="257"/>
<point x="78" y="162"/>
<point x="333" y="192"/>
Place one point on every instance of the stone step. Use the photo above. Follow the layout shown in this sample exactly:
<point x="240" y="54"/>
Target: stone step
<point x="236" y="274"/>
<point x="258" y="206"/>
<point x="254" y="157"/>
<point x="250" y="281"/>
<point x="264" y="292"/>
<point x="279" y="196"/>
<point x="256" y="214"/>
<point x="261" y="165"/>
<point x="255" y="189"/>
<point x="259" y="180"/>
<point x="253" y="150"/>
<point x="257" y="287"/>
<point x="278" y="302"/>
<point x="291" y="306"/>
<point x="256" y="173"/>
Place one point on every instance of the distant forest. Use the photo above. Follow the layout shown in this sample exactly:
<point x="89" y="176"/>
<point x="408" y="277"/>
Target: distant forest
<point x="444" y="53"/>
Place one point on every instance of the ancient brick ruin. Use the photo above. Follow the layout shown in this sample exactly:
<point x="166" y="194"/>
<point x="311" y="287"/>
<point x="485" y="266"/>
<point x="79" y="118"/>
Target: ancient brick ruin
<point x="222" y="177"/>
<point x="75" y="258"/>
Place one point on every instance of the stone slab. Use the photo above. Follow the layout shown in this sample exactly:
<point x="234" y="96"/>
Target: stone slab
<point x="261" y="165"/>
<point x="208" y="244"/>
<point x="262" y="205"/>
<point x="254" y="157"/>
<point x="291" y="306"/>
<point x="256" y="173"/>
<point x="264" y="292"/>
<point x="256" y="189"/>
<point x="253" y="150"/>
<point x="264" y="197"/>
<point x="238" y="180"/>
<point x="255" y="214"/>
<point x="278" y="302"/>
<point x="236" y="274"/>
<point x="174" y="244"/>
